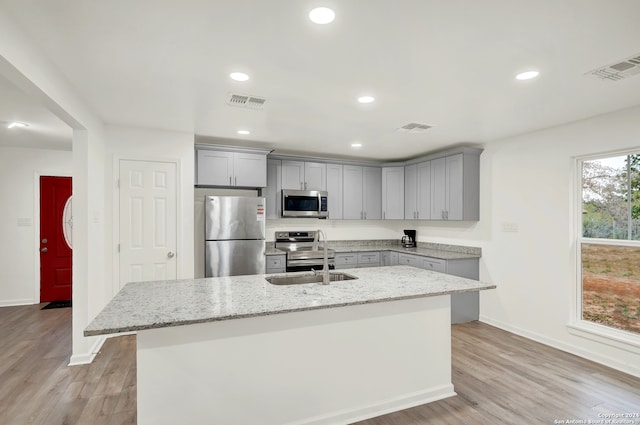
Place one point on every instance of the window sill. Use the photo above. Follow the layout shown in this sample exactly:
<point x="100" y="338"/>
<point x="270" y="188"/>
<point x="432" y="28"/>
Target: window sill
<point x="605" y="335"/>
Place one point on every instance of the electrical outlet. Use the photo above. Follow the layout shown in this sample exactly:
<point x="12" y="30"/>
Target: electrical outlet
<point x="508" y="227"/>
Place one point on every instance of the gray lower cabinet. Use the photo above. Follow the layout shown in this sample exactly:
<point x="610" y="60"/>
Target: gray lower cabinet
<point x="465" y="307"/>
<point x="389" y="258"/>
<point x="357" y="259"/>
<point x="276" y="263"/>
<point x="346" y="260"/>
<point x="368" y="259"/>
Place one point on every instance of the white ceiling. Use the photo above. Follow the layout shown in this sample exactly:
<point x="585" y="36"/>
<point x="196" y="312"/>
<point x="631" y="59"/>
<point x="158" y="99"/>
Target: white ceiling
<point x="450" y="64"/>
<point x="45" y="131"/>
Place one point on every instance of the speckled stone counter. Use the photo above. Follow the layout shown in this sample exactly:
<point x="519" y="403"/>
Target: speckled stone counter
<point x="272" y="251"/>
<point x="150" y="305"/>
<point x="425" y="249"/>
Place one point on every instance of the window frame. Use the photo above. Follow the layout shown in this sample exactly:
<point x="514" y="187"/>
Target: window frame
<point x="618" y="338"/>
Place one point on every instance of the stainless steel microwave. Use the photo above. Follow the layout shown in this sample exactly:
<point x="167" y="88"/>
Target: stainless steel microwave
<point x="304" y="203"/>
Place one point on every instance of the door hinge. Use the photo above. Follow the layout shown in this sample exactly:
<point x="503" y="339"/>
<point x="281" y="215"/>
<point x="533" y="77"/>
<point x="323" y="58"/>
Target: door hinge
<point x="118" y="247"/>
<point x="118" y="183"/>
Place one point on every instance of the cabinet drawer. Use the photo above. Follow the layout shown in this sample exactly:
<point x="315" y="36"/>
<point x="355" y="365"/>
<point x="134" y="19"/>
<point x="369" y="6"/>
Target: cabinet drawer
<point x="410" y="260"/>
<point x="346" y="260"/>
<point x="367" y="258"/>
<point x="434" y="264"/>
<point x="275" y="263"/>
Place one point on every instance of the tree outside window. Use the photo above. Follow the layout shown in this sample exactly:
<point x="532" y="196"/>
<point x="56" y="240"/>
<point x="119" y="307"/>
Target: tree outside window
<point x="611" y="268"/>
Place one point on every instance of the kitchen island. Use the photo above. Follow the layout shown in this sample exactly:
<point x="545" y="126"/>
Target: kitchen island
<point x="239" y="350"/>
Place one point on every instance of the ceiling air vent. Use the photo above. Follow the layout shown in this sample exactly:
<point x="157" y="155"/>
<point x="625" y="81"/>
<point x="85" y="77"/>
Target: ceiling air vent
<point x="414" y="127"/>
<point x="619" y="70"/>
<point x="246" y="101"/>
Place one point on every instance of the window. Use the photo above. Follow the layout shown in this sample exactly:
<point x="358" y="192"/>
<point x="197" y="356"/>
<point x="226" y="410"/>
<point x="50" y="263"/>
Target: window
<point x="610" y="241"/>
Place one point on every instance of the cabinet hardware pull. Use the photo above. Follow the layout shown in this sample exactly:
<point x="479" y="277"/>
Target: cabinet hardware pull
<point x="229" y="180"/>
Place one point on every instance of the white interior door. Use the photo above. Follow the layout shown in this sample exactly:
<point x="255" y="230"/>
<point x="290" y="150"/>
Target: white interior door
<point x="148" y="222"/>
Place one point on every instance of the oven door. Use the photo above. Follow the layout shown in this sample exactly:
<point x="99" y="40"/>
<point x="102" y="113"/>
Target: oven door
<point x="306" y="266"/>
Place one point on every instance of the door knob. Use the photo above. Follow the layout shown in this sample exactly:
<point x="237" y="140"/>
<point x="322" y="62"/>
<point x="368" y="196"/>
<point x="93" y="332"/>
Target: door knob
<point x="170" y="254"/>
<point x="44" y="249"/>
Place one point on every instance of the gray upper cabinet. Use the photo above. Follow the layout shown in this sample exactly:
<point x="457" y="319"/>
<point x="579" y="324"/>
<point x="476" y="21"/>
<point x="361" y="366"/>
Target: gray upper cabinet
<point x="417" y="198"/>
<point x="293" y="175"/>
<point x="372" y="186"/>
<point x="352" y="193"/>
<point x="315" y="176"/>
<point x="334" y="190"/>
<point x="299" y="175"/>
<point x="455" y="187"/>
<point x="423" y="191"/>
<point x="273" y="193"/>
<point x="362" y="193"/>
<point x="216" y="167"/>
<point x="410" y="191"/>
<point x="393" y="193"/>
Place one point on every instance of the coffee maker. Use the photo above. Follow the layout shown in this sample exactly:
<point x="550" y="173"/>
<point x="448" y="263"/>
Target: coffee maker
<point x="409" y="239"/>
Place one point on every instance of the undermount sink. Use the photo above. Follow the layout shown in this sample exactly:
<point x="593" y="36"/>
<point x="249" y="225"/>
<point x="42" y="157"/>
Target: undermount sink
<point x="307" y="278"/>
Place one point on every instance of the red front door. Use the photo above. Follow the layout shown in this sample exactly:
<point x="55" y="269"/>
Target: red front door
<point x="55" y="250"/>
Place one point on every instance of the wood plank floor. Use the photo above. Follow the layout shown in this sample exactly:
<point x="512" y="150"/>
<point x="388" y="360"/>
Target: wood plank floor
<point x="500" y="378"/>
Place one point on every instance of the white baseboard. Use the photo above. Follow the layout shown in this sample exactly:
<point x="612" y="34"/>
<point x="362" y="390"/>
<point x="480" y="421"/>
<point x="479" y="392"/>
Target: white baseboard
<point x="572" y="349"/>
<point x="384" y="407"/>
<point x="86" y="358"/>
<point x="12" y="303"/>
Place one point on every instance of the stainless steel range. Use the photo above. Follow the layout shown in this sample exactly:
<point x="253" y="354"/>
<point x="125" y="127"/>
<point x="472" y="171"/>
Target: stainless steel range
<point x="301" y="255"/>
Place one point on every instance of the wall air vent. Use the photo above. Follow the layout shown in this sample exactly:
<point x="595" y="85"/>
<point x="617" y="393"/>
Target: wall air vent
<point x="414" y="127"/>
<point x="246" y="101"/>
<point x="618" y="70"/>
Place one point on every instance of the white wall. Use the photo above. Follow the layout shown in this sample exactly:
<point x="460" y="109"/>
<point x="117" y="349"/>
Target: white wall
<point x="19" y="226"/>
<point x="145" y="144"/>
<point x="529" y="181"/>
<point x="23" y="64"/>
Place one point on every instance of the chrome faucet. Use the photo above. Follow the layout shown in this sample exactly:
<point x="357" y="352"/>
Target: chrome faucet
<point x="325" y="260"/>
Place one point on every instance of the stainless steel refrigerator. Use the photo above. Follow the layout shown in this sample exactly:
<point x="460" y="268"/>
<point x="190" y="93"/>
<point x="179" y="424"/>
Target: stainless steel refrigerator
<point x="234" y="236"/>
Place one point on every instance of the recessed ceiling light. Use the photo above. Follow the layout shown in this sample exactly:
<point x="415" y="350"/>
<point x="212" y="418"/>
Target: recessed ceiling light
<point x="17" y="124"/>
<point x="239" y="76"/>
<point x="322" y="15"/>
<point x="527" y="75"/>
<point x="366" y="99"/>
<point x="244" y="132"/>
<point x="356" y="145"/>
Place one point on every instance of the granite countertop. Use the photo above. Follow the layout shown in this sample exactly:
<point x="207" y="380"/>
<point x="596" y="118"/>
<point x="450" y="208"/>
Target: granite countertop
<point x="149" y="305"/>
<point x="425" y="249"/>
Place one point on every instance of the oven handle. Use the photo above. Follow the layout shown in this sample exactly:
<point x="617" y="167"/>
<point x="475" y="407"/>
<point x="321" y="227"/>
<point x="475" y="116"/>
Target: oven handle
<point x="315" y="262"/>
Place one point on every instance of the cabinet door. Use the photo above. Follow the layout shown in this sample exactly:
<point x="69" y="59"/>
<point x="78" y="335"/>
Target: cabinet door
<point x="368" y="259"/>
<point x="410" y="260"/>
<point x="389" y="258"/>
<point x="372" y="188"/>
<point x="393" y="193"/>
<point x="346" y="261"/>
<point x="250" y="170"/>
<point x="438" y="188"/>
<point x="275" y="264"/>
<point x="423" y="191"/>
<point x="315" y="176"/>
<point x="293" y="175"/>
<point x="410" y="192"/>
<point x="334" y="189"/>
<point x="434" y="264"/>
<point x="215" y="168"/>
<point x="273" y="194"/>
<point x="454" y="190"/>
<point x="352" y="193"/>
